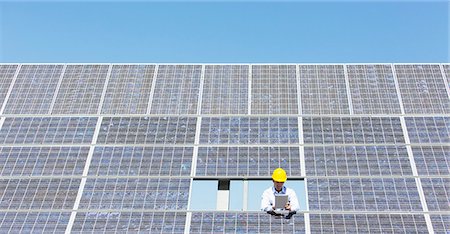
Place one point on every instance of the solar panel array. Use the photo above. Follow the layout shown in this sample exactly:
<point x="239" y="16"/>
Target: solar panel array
<point x="115" y="147"/>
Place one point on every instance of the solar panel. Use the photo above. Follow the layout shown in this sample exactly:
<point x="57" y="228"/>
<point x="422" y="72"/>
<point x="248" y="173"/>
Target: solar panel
<point x="447" y="73"/>
<point x="247" y="161"/>
<point x="352" y="130"/>
<point x="47" y="130"/>
<point x="432" y="160"/>
<point x="422" y="89"/>
<point x="81" y="89"/>
<point x="128" y="90"/>
<point x="437" y="193"/>
<point x="225" y="89"/>
<point x="323" y="89"/>
<point x="6" y="77"/>
<point x="357" y="161"/>
<point x="373" y="89"/>
<point x="33" y="222"/>
<point x="233" y="222"/>
<point x="363" y="194"/>
<point x="148" y="130"/>
<point x="141" y="161"/>
<point x="274" y="89"/>
<point x="441" y="223"/>
<point x="135" y="193"/>
<point x="43" y="193"/>
<point x="177" y="89"/>
<point x="428" y="129"/>
<point x="135" y="222"/>
<point x="249" y="130"/>
<point x="368" y="223"/>
<point x="42" y="161"/>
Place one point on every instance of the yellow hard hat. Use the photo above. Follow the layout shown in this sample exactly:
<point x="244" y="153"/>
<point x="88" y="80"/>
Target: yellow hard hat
<point x="279" y="175"/>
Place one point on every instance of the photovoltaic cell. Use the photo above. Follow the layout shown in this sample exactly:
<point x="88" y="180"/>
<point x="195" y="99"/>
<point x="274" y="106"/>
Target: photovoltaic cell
<point x="81" y="89"/>
<point x="147" y="130"/>
<point x="177" y="89"/>
<point x="432" y="160"/>
<point x="247" y="161"/>
<point x="225" y="89"/>
<point x="47" y="130"/>
<point x="428" y="129"/>
<point x="6" y="77"/>
<point x="129" y="222"/>
<point x="437" y="193"/>
<point x="373" y="89"/>
<point x="363" y="194"/>
<point x="422" y="89"/>
<point x="42" y="161"/>
<point x="128" y="90"/>
<point x="447" y="73"/>
<point x="249" y="130"/>
<point x="54" y="193"/>
<point x="441" y="223"/>
<point x="274" y="89"/>
<point x="357" y="161"/>
<point x="141" y="161"/>
<point x="368" y="223"/>
<point x="323" y="89"/>
<point x="34" y="89"/>
<point x="135" y="193"/>
<point x="33" y="222"/>
<point x="231" y="222"/>
<point x="352" y="130"/>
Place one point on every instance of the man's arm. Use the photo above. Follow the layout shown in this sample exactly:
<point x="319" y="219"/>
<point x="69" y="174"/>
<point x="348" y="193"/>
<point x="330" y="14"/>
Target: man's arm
<point x="265" y="202"/>
<point x="293" y="201"/>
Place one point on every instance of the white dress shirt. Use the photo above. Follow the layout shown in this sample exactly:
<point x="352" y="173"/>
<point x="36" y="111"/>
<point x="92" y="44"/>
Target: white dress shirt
<point x="268" y="198"/>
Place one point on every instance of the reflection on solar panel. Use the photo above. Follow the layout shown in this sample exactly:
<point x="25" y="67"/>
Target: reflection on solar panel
<point x="34" y="89"/>
<point x="437" y="193"/>
<point x="368" y="223"/>
<point x="274" y="89"/>
<point x="128" y="90"/>
<point x="441" y="223"/>
<point x="140" y="222"/>
<point x="247" y="161"/>
<point x="373" y="89"/>
<point x="42" y="161"/>
<point x="323" y="89"/>
<point x="357" y="161"/>
<point x="33" y="222"/>
<point x="423" y="89"/>
<point x="6" y="76"/>
<point x="364" y="194"/>
<point x="432" y="160"/>
<point x="428" y="129"/>
<point x="231" y="222"/>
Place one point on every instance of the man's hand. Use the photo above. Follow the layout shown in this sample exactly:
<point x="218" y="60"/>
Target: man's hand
<point x="287" y="206"/>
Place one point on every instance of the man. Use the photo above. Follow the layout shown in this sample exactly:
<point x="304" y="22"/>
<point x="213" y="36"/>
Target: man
<point x="268" y="197"/>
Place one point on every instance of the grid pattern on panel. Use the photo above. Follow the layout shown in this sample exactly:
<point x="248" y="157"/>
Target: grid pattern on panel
<point x="423" y="89"/>
<point x="135" y="193"/>
<point x="373" y="89"/>
<point x="432" y="160"/>
<point x="350" y="130"/>
<point x="33" y="222"/>
<point x="428" y="129"/>
<point x="147" y="130"/>
<point x="42" y="161"/>
<point x="177" y="89"/>
<point x="230" y="222"/>
<point x="128" y="90"/>
<point x="42" y="193"/>
<point x="247" y="161"/>
<point x="357" y="161"/>
<point x="441" y="223"/>
<point x="225" y="89"/>
<point x="47" y="130"/>
<point x="81" y="89"/>
<point x="6" y="76"/>
<point x="363" y="194"/>
<point x="141" y="161"/>
<point x="437" y="193"/>
<point x="447" y="73"/>
<point x="274" y="89"/>
<point x="323" y="89"/>
<point x="34" y="89"/>
<point x="249" y="130"/>
<point x="368" y="223"/>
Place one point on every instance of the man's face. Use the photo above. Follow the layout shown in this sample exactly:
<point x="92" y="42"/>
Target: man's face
<point x="278" y="185"/>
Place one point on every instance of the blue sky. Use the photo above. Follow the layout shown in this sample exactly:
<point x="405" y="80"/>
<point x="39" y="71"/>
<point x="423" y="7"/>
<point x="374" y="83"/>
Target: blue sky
<point x="224" y="31"/>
